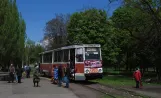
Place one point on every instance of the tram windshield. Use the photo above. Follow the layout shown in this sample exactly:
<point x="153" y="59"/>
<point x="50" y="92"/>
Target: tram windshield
<point x="92" y="53"/>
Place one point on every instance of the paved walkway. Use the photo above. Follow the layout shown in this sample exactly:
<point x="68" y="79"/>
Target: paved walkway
<point x="26" y="90"/>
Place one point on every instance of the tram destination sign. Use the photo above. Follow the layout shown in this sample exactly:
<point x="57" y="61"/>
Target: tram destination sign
<point x="91" y="45"/>
<point x="91" y="49"/>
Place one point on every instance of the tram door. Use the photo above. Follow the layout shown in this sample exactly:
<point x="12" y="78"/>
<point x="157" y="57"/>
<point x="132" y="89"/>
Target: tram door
<point x="72" y="62"/>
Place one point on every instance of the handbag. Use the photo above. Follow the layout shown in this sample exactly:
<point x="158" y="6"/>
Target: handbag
<point x="65" y="79"/>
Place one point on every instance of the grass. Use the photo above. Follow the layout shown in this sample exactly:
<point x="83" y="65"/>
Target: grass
<point x="118" y="81"/>
<point x="125" y="80"/>
<point x="115" y="80"/>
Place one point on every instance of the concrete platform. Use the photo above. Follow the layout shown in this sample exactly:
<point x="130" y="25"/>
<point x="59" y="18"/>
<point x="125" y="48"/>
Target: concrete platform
<point x="26" y="90"/>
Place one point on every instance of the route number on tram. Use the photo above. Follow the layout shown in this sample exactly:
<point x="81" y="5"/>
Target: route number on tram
<point x="94" y="70"/>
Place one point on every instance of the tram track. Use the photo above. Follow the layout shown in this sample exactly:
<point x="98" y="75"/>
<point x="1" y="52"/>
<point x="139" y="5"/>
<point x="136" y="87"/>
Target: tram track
<point x="90" y="85"/>
<point x="103" y="92"/>
<point x="110" y="91"/>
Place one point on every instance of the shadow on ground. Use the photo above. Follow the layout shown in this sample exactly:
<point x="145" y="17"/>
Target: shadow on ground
<point x="84" y="82"/>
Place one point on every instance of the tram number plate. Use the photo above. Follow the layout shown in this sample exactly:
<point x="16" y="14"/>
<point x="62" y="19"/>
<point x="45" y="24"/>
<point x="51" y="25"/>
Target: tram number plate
<point x="93" y="70"/>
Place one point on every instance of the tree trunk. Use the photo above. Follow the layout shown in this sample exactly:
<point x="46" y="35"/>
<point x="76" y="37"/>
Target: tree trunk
<point x="130" y="68"/>
<point x="115" y="68"/>
<point x="158" y="71"/>
<point x="127" y="68"/>
<point x="143" y="71"/>
<point x="154" y="68"/>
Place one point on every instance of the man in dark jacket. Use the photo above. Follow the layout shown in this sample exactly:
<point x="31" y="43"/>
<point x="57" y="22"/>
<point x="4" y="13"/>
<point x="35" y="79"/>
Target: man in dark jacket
<point x="60" y="75"/>
<point x="28" y="70"/>
<point x="19" y="72"/>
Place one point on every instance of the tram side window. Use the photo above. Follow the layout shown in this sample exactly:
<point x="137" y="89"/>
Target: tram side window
<point x="56" y="56"/>
<point x="40" y="58"/>
<point x="66" y="55"/>
<point x="79" y="55"/>
<point x="60" y="56"/>
<point x="48" y="58"/>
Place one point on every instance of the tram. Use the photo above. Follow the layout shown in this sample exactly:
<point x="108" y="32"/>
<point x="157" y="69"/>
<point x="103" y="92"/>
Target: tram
<point x="85" y="60"/>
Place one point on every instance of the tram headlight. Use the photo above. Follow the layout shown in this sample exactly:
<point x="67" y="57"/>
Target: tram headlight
<point x="87" y="71"/>
<point x="100" y="70"/>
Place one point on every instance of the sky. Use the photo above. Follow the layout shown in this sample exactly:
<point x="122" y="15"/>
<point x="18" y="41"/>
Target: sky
<point x="37" y="12"/>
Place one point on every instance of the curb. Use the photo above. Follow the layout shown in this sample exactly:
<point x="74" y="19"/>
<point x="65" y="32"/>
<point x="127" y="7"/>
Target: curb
<point x="45" y="78"/>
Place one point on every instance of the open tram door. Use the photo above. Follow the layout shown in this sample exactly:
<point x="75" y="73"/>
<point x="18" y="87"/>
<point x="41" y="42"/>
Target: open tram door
<point x="72" y="63"/>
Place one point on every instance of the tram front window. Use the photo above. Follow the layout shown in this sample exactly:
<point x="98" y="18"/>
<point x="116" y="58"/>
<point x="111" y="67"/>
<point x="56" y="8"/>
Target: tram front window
<point x="92" y="53"/>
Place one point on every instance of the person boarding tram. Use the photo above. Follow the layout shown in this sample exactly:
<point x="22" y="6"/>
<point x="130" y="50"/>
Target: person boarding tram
<point x="67" y="75"/>
<point x="60" y="75"/>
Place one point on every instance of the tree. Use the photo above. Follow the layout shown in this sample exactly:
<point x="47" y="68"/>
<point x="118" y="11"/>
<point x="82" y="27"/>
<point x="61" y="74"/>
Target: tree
<point x="12" y="31"/>
<point x="141" y="18"/>
<point x="32" y="51"/>
<point x="56" y="32"/>
<point x="136" y="24"/>
<point x="87" y="27"/>
<point x="92" y="26"/>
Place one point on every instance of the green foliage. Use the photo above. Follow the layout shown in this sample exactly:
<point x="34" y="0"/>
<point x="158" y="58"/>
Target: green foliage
<point x="12" y="31"/>
<point x="141" y="19"/>
<point x="133" y="26"/>
<point x="92" y="27"/>
<point x="32" y="51"/>
<point x="87" y="27"/>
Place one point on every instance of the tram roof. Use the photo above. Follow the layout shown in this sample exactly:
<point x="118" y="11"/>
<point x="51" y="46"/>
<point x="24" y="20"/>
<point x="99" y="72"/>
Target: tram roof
<point x="72" y="46"/>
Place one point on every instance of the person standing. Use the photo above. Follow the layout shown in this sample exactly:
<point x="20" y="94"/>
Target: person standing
<point x="72" y="71"/>
<point x="67" y="75"/>
<point x="55" y="74"/>
<point x="137" y="77"/>
<point x="28" y="69"/>
<point x="19" y="74"/>
<point x="60" y="75"/>
<point x="11" y="73"/>
<point x="36" y="78"/>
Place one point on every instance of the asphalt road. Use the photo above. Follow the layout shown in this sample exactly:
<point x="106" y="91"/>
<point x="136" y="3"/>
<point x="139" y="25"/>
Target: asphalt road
<point x="27" y="90"/>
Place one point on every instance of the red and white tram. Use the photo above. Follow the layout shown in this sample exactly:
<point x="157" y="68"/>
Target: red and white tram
<point x="85" y="59"/>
